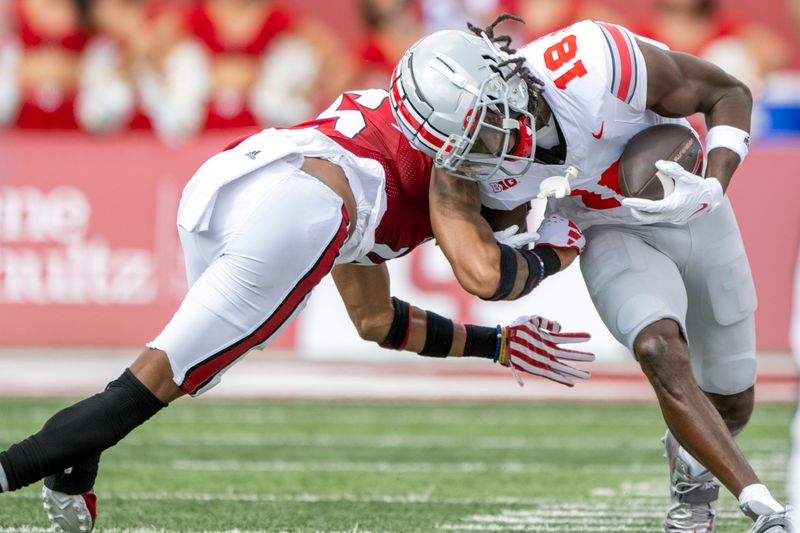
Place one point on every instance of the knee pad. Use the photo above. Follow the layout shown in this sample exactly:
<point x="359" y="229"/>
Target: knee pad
<point x="729" y="375"/>
<point x="731" y="291"/>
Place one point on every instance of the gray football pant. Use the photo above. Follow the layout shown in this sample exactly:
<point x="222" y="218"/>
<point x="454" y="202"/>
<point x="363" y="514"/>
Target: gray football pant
<point x="697" y="275"/>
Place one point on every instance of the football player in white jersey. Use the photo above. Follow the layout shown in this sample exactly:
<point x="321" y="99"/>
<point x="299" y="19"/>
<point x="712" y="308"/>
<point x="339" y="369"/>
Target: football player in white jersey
<point x="669" y="278"/>
<point x="261" y="223"/>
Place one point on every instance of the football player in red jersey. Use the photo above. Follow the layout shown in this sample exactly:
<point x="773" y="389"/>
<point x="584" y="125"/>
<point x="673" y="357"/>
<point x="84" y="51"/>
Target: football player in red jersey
<point x="662" y="273"/>
<point x="261" y="223"/>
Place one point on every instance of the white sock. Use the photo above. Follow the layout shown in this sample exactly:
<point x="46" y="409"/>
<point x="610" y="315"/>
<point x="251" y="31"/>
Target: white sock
<point x="757" y="499"/>
<point x="3" y="480"/>
<point x="696" y="468"/>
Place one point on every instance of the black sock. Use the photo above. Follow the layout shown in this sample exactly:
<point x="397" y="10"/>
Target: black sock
<point x="78" y="434"/>
<point x="79" y="478"/>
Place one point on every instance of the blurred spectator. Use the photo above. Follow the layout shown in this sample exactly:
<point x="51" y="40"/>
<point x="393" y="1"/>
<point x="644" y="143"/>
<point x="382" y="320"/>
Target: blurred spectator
<point x="40" y="67"/>
<point x="391" y="27"/>
<point x="263" y="63"/>
<point x="142" y="70"/>
<point x="5" y="19"/>
<point x="454" y="14"/>
<point x="794" y="9"/>
<point x="544" y="16"/>
<point x="105" y="100"/>
<point x="745" y="49"/>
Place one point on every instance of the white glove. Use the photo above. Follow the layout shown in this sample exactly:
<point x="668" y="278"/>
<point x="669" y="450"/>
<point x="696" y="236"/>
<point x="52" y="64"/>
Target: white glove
<point x="557" y="186"/>
<point x="530" y="344"/>
<point x="510" y="237"/>
<point x="560" y="232"/>
<point x="692" y="196"/>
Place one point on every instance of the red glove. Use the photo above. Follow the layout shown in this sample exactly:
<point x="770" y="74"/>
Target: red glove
<point x="530" y="344"/>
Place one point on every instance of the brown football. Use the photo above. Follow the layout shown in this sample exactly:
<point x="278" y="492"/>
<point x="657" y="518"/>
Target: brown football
<point x="638" y="176"/>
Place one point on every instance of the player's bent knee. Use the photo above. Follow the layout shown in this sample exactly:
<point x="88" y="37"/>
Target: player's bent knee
<point x="663" y="354"/>
<point x="658" y="340"/>
<point x="153" y="369"/>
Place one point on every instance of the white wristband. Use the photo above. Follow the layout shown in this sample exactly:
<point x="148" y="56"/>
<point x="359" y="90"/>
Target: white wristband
<point x="728" y="137"/>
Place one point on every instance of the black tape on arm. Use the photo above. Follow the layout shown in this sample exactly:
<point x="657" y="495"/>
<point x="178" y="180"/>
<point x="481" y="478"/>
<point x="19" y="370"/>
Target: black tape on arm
<point x="438" y="337"/>
<point x="552" y="263"/>
<point x="481" y="341"/>
<point x="542" y="262"/>
<point x="508" y="272"/>
<point x="397" y="337"/>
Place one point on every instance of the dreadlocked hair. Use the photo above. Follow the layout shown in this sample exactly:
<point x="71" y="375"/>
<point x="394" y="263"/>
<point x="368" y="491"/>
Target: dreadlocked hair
<point x="503" y="43"/>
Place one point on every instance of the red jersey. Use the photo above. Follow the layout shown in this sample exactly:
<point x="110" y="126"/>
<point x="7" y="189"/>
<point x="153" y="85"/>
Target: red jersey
<point x="362" y="123"/>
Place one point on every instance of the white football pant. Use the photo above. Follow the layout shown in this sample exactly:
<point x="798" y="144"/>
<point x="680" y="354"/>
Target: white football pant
<point x="272" y="236"/>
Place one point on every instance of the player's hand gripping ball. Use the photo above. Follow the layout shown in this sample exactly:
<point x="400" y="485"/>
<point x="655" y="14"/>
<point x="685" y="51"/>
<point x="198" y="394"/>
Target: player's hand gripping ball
<point x="658" y="175"/>
<point x="693" y="195"/>
<point x="638" y="176"/>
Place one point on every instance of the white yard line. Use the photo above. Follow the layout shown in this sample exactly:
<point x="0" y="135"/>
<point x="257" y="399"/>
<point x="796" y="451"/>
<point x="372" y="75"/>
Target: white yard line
<point x="151" y="530"/>
<point x="376" y="467"/>
<point x="600" y="514"/>
<point x="321" y="498"/>
<point x="773" y="469"/>
<point x="405" y="441"/>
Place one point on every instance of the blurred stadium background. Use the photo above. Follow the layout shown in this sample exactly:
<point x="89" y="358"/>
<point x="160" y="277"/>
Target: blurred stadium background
<point x="108" y="106"/>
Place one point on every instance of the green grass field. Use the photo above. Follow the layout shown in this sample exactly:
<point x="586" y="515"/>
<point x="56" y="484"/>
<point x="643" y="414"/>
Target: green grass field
<point x="366" y="467"/>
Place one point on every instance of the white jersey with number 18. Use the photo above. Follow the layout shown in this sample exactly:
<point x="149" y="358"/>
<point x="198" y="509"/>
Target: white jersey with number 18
<point x="595" y="83"/>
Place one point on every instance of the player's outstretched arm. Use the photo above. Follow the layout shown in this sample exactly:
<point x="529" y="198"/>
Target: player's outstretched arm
<point x="530" y="344"/>
<point x="679" y="85"/>
<point x="483" y="266"/>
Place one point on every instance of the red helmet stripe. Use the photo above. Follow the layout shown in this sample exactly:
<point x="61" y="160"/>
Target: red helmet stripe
<point x="406" y="113"/>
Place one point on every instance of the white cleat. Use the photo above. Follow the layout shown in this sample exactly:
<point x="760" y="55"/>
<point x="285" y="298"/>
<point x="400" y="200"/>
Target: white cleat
<point x="70" y="513"/>
<point x="693" y="497"/>
<point x="773" y="523"/>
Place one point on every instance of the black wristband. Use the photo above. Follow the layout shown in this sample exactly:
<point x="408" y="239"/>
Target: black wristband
<point x="438" y="337"/>
<point x="542" y="262"/>
<point x="508" y="272"/>
<point x="398" y="332"/>
<point x="535" y="271"/>
<point x="481" y="341"/>
<point x="552" y="263"/>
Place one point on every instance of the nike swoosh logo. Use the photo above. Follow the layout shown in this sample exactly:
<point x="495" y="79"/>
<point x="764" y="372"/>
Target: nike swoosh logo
<point x="599" y="133"/>
<point x="703" y="206"/>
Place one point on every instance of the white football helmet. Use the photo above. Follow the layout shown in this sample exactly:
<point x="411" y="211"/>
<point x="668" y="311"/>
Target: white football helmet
<point x="456" y="101"/>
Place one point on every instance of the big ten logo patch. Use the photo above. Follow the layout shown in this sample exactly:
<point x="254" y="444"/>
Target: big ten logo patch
<point x="503" y="185"/>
